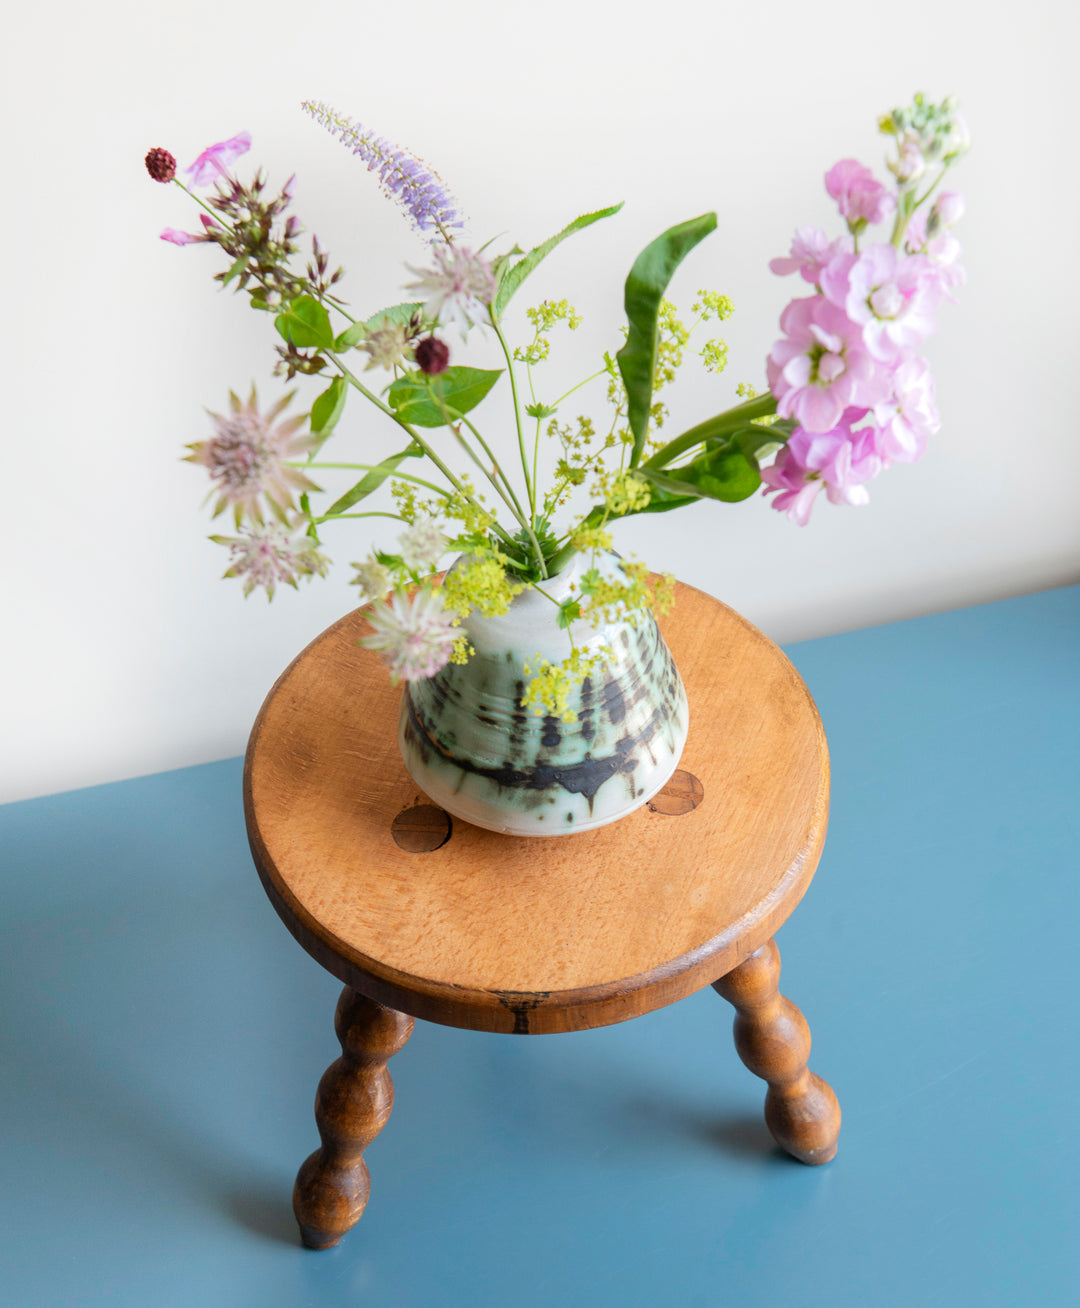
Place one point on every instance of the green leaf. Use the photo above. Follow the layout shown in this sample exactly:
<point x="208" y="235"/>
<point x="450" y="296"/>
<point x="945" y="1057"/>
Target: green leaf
<point x="512" y="278"/>
<point x="349" y="337"/>
<point x="237" y="268"/>
<point x="396" y="313"/>
<point x="539" y="410"/>
<point x="645" y="287"/>
<point x="413" y="397"/>
<point x="723" y="472"/>
<point x="372" y="480"/>
<point x="306" y="324"/>
<point x="569" y="611"/>
<point x="328" y="408"/>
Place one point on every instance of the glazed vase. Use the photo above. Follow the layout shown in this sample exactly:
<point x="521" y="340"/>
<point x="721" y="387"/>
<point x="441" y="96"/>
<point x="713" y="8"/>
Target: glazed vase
<point x="471" y="746"/>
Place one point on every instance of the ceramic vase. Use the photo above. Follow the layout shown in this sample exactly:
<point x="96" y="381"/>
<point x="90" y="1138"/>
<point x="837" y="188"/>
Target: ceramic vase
<point x="472" y="747"/>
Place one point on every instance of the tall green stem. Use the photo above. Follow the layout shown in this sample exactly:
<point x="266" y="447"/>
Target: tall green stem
<point x="517" y="416"/>
<point x="762" y="406"/>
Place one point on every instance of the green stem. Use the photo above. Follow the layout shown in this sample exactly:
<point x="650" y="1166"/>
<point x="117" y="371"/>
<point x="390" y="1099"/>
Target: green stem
<point x="762" y="406"/>
<point x="517" y="415"/>
<point x="353" y="380"/>
<point x="333" y="517"/>
<point x="371" y="467"/>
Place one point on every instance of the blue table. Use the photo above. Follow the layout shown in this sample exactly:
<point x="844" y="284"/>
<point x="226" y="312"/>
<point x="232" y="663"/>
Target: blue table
<point x="160" y="1028"/>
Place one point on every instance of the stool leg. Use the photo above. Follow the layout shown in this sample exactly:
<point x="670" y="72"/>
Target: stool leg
<point x="352" y="1106"/>
<point x="773" y="1040"/>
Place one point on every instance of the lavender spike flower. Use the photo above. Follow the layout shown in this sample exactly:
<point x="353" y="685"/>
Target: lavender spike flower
<point x="418" y="189"/>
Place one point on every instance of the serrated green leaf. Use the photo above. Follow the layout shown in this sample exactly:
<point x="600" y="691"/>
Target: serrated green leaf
<point x="569" y="611"/>
<point x="645" y="287"/>
<point x="539" y="410"/>
<point x="416" y="397"/>
<point x="328" y="408"/>
<point x="372" y="480"/>
<point x="349" y="337"/>
<point x="306" y="324"/>
<point x="512" y="277"/>
<point x="396" y="313"/>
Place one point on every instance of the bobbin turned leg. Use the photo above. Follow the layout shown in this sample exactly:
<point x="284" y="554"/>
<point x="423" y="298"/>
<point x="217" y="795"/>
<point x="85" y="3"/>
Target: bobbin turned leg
<point x="352" y="1105"/>
<point x="773" y="1040"/>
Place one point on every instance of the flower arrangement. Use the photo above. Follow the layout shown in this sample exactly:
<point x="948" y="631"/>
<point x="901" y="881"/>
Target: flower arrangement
<point x="848" y="393"/>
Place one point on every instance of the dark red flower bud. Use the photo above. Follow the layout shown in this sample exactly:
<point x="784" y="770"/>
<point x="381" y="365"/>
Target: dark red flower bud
<point x="161" y="165"/>
<point x="432" y="355"/>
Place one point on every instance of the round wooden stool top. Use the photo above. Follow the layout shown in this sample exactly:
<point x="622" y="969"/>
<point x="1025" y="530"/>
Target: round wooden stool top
<point x="505" y="933"/>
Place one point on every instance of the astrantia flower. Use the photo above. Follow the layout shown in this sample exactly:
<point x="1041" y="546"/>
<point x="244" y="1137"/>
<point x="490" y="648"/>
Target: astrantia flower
<point x="415" y="639"/>
<point x="822" y="367"/>
<point x="387" y="345"/>
<point x="859" y="196"/>
<point x="373" y="579"/>
<point x="270" y="554"/>
<point x="215" y="159"/>
<point x="245" y="458"/>
<point x="458" y="289"/>
<point x="837" y="461"/>
<point x="422" y="546"/>
<point x="418" y="189"/>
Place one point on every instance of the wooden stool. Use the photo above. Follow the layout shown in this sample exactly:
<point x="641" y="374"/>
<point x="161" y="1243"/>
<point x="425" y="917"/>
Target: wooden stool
<point x="421" y="916"/>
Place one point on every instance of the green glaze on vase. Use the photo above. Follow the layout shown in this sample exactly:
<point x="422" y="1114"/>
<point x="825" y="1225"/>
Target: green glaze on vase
<point x="475" y="751"/>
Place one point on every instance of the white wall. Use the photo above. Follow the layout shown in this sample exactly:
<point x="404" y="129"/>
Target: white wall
<point x="124" y="654"/>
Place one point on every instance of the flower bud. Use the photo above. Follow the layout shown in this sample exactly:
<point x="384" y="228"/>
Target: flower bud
<point x="949" y="208"/>
<point x="161" y="165"/>
<point x="432" y="355"/>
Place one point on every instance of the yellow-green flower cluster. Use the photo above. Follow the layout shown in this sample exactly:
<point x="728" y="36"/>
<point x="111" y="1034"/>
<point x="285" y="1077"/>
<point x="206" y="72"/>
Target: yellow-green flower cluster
<point x="714" y="355"/>
<point x="711" y="304"/>
<point x="590" y="538"/>
<point x="623" y="491"/>
<point x="543" y="318"/>
<point x="551" y="684"/>
<point x="480" y="583"/>
<point x="624" y="597"/>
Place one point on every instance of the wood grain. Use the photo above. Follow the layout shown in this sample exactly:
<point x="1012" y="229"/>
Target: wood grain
<point x="352" y="1105"/>
<point x="516" y="934"/>
<point x="773" y="1040"/>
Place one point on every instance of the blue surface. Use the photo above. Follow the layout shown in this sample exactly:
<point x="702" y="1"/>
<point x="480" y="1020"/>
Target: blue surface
<point x="163" y="1035"/>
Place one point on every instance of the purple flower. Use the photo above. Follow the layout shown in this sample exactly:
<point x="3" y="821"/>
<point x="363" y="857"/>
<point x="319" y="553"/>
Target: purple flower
<point x="890" y="295"/>
<point x="246" y="458"/>
<point x="822" y="367"/>
<point x="178" y="237"/>
<point x="458" y="289"/>
<point x="811" y="250"/>
<point x="909" y="417"/>
<point x="269" y="555"/>
<point x="215" y="159"/>
<point x="415" y="640"/>
<point x="406" y="179"/>
<point x="860" y="197"/>
<point x="837" y="461"/>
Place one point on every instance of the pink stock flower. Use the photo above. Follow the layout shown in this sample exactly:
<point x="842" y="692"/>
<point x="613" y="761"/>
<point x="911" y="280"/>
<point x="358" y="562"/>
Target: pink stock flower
<point x="215" y="159"/>
<point x="415" y="640"/>
<point x="942" y="251"/>
<point x="910" y="415"/>
<point x="837" y="461"/>
<point x="822" y="367"/>
<point x="811" y="250"/>
<point x="891" y="296"/>
<point x="949" y="208"/>
<point x="860" y="197"/>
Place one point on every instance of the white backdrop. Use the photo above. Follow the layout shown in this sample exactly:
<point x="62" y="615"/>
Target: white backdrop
<point x="124" y="654"/>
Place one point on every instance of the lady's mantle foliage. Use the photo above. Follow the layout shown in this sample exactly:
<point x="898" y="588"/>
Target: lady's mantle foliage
<point x="849" y="391"/>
